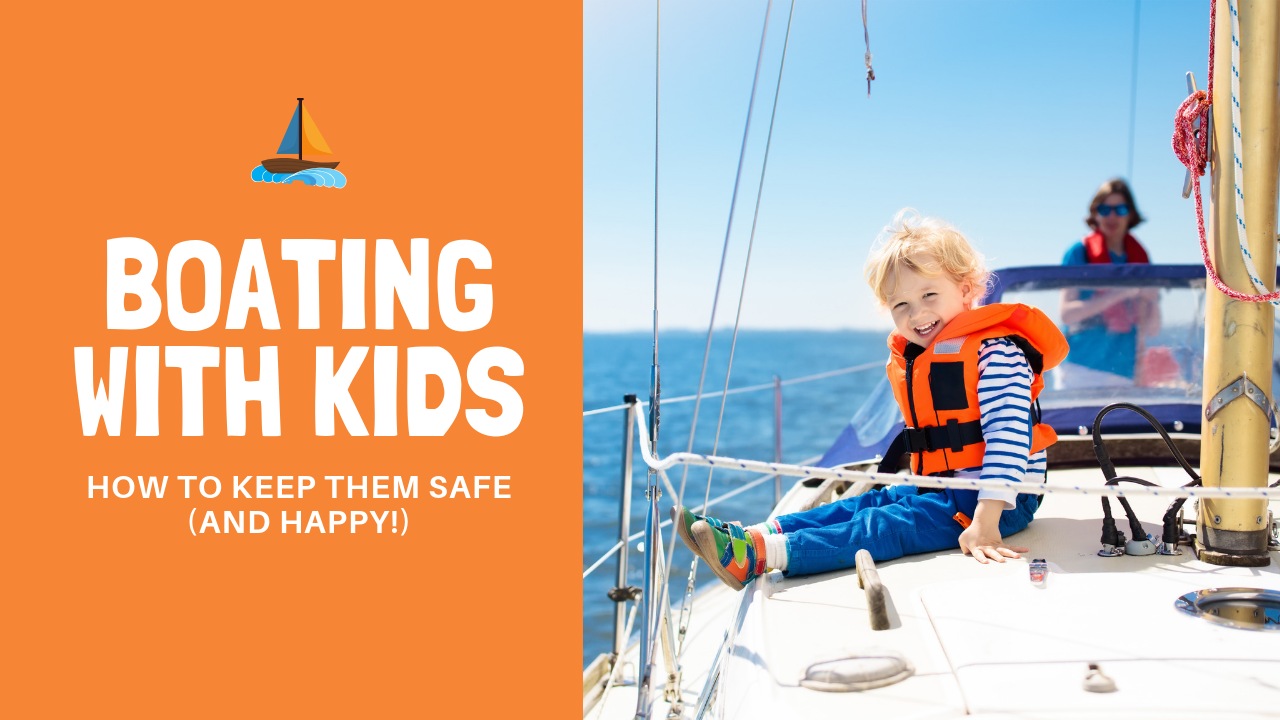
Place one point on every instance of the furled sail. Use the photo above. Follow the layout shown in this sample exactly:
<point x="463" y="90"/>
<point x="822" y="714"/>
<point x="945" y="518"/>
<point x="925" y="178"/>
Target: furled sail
<point x="312" y="141"/>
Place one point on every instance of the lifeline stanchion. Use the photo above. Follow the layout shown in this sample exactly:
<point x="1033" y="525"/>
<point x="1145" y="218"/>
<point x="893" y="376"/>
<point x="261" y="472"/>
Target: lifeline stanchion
<point x="648" y="596"/>
<point x="620" y="629"/>
<point x="777" y="437"/>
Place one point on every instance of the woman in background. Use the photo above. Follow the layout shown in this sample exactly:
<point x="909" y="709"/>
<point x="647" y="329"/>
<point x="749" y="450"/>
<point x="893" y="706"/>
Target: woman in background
<point x="1105" y="327"/>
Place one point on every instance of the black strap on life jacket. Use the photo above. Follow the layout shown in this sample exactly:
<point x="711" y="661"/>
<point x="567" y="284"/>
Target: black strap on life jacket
<point x="1035" y="358"/>
<point x="953" y="436"/>
<point x="893" y="455"/>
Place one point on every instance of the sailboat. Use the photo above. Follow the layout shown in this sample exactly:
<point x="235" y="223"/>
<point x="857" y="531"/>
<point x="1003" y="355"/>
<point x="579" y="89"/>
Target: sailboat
<point x="1177" y="621"/>
<point x="301" y="137"/>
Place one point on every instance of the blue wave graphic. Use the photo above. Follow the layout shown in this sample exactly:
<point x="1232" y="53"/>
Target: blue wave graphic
<point x="315" y="177"/>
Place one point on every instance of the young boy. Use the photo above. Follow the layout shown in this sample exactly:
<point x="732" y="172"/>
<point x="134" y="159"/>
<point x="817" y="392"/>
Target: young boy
<point x="965" y="380"/>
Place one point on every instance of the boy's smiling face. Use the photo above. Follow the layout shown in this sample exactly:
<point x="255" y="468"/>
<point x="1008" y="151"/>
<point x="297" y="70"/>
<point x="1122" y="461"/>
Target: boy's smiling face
<point x="922" y="306"/>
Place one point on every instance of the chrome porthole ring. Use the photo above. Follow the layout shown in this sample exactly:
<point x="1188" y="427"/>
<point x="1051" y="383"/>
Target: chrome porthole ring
<point x="1239" y="607"/>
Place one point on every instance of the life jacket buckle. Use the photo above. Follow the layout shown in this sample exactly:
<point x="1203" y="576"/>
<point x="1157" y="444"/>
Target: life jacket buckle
<point x="918" y="440"/>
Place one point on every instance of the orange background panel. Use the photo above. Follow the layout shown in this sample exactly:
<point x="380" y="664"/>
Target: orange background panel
<point x="451" y="121"/>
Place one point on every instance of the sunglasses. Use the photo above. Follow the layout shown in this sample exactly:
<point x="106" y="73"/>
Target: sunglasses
<point x="1120" y="210"/>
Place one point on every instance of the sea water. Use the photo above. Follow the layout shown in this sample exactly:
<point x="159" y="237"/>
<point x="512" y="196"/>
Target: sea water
<point x="315" y="177"/>
<point x="813" y="414"/>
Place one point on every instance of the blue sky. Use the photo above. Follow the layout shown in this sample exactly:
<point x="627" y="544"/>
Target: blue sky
<point x="1002" y="117"/>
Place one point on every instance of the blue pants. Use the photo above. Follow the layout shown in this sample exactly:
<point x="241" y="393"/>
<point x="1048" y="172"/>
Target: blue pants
<point x="889" y="523"/>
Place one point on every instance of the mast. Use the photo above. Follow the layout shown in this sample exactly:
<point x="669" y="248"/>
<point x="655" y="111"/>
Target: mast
<point x="299" y="128"/>
<point x="1238" y="335"/>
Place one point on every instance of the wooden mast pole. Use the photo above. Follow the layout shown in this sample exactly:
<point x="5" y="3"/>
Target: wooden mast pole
<point x="1238" y="335"/>
<point x="299" y="128"/>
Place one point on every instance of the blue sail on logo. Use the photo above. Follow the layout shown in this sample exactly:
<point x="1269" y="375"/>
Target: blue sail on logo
<point x="291" y="138"/>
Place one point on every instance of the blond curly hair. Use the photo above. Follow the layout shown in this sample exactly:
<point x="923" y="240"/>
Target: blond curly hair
<point x="928" y="246"/>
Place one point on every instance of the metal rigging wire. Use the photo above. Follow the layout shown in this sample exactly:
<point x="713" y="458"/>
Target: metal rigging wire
<point x="652" y="620"/>
<point x="742" y="291"/>
<point x="679" y="499"/>
<point x="866" y="38"/>
<point x="715" y="300"/>
<point x="1133" y="88"/>
<point x="684" y="619"/>
<point x="655" y="381"/>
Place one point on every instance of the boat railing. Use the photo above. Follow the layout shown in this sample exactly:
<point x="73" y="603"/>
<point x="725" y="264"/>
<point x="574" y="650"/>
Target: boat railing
<point x="699" y="509"/>
<point x="622" y="593"/>
<point x="628" y="448"/>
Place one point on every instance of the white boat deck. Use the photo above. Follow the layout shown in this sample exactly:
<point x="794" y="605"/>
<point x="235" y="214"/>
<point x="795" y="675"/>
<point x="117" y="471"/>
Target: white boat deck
<point x="983" y="640"/>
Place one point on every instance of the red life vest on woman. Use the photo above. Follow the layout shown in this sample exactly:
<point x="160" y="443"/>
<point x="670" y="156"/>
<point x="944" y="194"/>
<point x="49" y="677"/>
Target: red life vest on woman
<point x="1095" y="249"/>
<point x="1119" y="318"/>
<point x="937" y="387"/>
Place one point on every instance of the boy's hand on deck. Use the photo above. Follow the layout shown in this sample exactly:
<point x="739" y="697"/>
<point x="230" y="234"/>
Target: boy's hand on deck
<point x="982" y="538"/>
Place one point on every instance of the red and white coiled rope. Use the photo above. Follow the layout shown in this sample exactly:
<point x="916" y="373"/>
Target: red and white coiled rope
<point x="1193" y="152"/>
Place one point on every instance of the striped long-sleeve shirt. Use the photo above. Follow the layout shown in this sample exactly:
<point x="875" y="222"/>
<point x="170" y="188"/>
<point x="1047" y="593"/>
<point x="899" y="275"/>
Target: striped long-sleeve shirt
<point x="1004" y="402"/>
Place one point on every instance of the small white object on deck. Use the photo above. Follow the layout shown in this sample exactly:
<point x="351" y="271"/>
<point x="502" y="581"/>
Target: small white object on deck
<point x="861" y="671"/>
<point x="1095" y="681"/>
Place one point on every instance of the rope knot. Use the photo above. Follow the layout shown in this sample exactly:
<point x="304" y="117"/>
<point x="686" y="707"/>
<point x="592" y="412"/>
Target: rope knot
<point x="1191" y="143"/>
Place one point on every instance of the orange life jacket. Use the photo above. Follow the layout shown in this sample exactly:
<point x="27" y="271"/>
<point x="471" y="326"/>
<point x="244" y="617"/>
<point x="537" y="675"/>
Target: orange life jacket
<point x="937" y="387"/>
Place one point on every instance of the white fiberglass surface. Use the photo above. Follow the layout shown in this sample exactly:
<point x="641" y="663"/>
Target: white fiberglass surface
<point x="1002" y="633"/>
<point x="983" y="639"/>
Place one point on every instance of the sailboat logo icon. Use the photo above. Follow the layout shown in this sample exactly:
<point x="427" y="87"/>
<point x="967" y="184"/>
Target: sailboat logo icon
<point x="302" y="137"/>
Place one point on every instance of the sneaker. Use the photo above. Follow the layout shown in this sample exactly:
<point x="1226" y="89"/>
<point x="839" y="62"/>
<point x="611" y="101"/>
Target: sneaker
<point x="683" y="520"/>
<point x="734" y="555"/>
